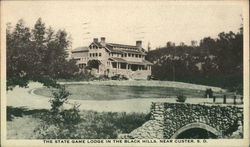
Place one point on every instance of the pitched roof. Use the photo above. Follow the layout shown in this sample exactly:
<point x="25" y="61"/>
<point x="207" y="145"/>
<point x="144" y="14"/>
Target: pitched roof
<point x="121" y="45"/>
<point x="118" y="59"/>
<point x="144" y="62"/>
<point x="134" y="52"/>
<point x="80" y="49"/>
<point x="122" y="48"/>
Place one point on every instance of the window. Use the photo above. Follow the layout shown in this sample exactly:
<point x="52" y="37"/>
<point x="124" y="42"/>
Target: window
<point x="123" y="65"/>
<point x="100" y="54"/>
<point x="136" y="55"/>
<point x="90" y="54"/>
<point x="139" y="56"/>
<point x="122" y="55"/>
<point x="132" y="55"/>
<point x="129" y="54"/>
<point x="96" y="54"/>
<point x="125" y="55"/>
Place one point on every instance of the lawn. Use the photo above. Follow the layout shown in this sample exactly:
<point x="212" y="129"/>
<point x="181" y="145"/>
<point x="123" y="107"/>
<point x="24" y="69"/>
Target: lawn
<point x="114" y="92"/>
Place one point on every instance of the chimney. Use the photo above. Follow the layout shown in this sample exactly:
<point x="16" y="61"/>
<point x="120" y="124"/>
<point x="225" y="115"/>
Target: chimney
<point x="103" y="41"/>
<point x="139" y="43"/>
<point x="95" y="40"/>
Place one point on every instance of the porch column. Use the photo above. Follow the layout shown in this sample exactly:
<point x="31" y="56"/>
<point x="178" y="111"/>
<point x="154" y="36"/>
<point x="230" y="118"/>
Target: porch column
<point x="127" y="66"/>
<point x="116" y="67"/>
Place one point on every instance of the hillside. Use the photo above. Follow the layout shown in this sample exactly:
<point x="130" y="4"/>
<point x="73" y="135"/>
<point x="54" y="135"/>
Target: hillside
<point x="215" y="62"/>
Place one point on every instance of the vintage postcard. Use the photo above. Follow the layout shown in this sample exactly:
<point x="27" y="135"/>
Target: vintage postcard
<point x="124" y="73"/>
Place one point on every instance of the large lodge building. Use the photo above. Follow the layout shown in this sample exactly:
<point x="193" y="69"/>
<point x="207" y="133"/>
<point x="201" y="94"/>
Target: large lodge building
<point x="114" y="59"/>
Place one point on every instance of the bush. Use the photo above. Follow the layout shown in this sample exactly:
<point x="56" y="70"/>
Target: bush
<point x="59" y="98"/>
<point x="181" y="98"/>
<point x="59" y="123"/>
<point x="91" y="125"/>
<point x="208" y="92"/>
<point x="119" y="77"/>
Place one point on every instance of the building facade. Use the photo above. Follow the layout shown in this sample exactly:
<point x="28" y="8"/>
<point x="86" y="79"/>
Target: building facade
<point x="114" y="59"/>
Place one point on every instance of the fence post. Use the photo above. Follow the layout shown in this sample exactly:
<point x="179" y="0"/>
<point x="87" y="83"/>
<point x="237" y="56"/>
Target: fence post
<point x="224" y="99"/>
<point x="214" y="98"/>
<point x="234" y="99"/>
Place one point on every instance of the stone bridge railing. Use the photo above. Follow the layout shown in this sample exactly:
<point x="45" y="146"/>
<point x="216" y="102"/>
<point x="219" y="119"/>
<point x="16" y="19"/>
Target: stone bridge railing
<point x="169" y="120"/>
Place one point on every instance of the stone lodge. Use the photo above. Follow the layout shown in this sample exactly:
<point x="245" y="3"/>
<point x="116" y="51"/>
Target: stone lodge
<point x="114" y="59"/>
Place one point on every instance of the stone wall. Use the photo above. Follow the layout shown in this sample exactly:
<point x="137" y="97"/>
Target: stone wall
<point x="168" y="120"/>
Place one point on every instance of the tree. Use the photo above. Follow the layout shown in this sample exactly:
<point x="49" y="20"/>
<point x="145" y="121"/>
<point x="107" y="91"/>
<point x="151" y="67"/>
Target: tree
<point x="193" y="43"/>
<point x="182" y="44"/>
<point x="18" y="43"/>
<point x="36" y="54"/>
<point x="220" y="61"/>
<point x="94" y="64"/>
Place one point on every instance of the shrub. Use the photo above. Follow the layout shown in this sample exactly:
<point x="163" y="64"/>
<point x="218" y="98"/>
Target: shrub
<point x="59" y="98"/>
<point x="59" y="123"/>
<point x="181" y="98"/>
<point x="208" y="92"/>
<point x="119" y="77"/>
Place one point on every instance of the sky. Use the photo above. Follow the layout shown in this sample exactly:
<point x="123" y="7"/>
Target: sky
<point x="154" y="22"/>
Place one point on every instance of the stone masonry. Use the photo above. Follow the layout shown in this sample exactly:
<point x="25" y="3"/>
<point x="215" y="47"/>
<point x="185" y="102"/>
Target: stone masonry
<point x="168" y="120"/>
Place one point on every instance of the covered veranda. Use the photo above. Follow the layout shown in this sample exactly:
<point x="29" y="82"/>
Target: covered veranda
<point x="118" y="63"/>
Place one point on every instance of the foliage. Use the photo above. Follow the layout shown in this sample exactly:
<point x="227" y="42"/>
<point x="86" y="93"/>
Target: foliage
<point x="119" y="77"/>
<point x="59" y="98"/>
<point x="93" y="64"/>
<point x="209" y="93"/>
<point x="59" y="122"/>
<point x="181" y="98"/>
<point x="37" y="53"/>
<point x="94" y="125"/>
<point x="215" y="62"/>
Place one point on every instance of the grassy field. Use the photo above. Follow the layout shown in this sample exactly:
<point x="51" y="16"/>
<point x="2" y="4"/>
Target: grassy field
<point x="110" y="92"/>
<point x="23" y="124"/>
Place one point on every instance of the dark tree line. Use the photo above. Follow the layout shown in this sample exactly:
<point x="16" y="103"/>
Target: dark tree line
<point x="216" y="62"/>
<point x="37" y="54"/>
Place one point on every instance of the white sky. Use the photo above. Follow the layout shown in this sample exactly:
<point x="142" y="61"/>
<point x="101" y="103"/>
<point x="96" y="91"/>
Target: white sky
<point x="126" y="21"/>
